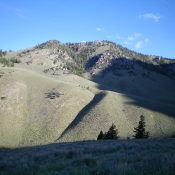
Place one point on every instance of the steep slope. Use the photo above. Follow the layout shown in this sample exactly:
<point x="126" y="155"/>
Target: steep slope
<point x="50" y="57"/>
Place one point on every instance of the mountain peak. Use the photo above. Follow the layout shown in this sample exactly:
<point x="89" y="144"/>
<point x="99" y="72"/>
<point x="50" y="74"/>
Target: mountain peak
<point x="49" y="44"/>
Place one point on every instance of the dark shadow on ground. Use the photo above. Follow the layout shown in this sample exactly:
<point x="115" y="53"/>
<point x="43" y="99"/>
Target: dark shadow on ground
<point x="91" y="62"/>
<point x="97" y="98"/>
<point x="65" y="158"/>
<point x="118" y="65"/>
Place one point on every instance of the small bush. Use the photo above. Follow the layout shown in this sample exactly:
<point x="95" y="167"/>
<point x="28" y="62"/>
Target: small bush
<point x="14" y="60"/>
<point x="6" y="62"/>
<point x="74" y="68"/>
<point x="9" y="62"/>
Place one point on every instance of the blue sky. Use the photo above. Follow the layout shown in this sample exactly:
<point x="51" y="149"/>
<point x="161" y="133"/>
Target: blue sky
<point x="146" y="26"/>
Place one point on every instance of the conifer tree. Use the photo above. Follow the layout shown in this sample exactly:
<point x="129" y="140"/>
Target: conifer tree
<point x="100" y="136"/>
<point x="112" y="133"/>
<point x="140" y="129"/>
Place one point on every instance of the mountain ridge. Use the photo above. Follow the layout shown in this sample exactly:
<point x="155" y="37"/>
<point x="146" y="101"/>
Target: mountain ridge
<point x="77" y="58"/>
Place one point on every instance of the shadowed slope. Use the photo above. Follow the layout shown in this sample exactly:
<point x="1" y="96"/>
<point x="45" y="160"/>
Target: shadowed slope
<point x="138" y="89"/>
<point x="97" y="98"/>
<point x="138" y="79"/>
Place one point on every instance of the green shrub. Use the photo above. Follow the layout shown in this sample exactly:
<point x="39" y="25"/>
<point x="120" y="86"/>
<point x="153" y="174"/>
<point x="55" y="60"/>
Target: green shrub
<point x="15" y="60"/>
<point x="6" y="62"/>
<point x="2" y="60"/>
<point x="74" y="68"/>
<point x="9" y="62"/>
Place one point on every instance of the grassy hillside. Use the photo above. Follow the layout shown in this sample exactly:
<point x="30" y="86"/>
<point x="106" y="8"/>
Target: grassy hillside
<point x="39" y="109"/>
<point x="43" y="101"/>
<point x="35" y="109"/>
<point x="111" y="107"/>
<point x="122" y="157"/>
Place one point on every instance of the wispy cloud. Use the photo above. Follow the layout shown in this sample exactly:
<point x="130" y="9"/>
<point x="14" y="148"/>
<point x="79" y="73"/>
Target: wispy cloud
<point x="146" y="40"/>
<point x="135" y="40"/>
<point x="99" y="29"/>
<point x="126" y="42"/>
<point x="139" y="44"/>
<point x="137" y="35"/>
<point x="152" y="16"/>
<point x="132" y="38"/>
<point x="14" y="10"/>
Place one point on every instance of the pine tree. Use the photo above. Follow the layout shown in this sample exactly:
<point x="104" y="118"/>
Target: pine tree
<point x="112" y="133"/>
<point x="140" y="129"/>
<point x="100" y="136"/>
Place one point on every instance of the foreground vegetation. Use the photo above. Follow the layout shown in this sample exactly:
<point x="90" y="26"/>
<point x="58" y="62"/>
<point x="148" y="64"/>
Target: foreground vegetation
<point x="117" y="157"/>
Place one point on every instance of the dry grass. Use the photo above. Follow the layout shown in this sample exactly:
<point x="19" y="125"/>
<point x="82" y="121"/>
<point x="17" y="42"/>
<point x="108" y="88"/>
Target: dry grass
<point x="27" y="116"/>
<point x="122" y="157"/>
<point x="37" y="109"/>
<point x="117" y="108"/>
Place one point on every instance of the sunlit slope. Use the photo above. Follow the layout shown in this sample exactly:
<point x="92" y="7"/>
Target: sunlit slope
<point x="110" y="107"/>
<point x="35" y="109"/>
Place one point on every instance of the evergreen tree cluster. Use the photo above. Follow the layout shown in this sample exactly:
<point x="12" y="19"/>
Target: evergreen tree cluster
<point x="112" y="133"/>
<point x="139" y="131"/>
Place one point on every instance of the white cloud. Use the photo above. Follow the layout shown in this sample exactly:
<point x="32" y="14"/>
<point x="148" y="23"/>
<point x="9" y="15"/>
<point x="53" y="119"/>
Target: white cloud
<point x="146" y="40"/>
<point x="137" y="35"/>
<point x="152" y="16"/>
<point x="136" y="40"/>
<point x="99" y="29"/>
<point x="139" y="44"/>
<point x="126" y="42"/>
<point x="132" y="38"/>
